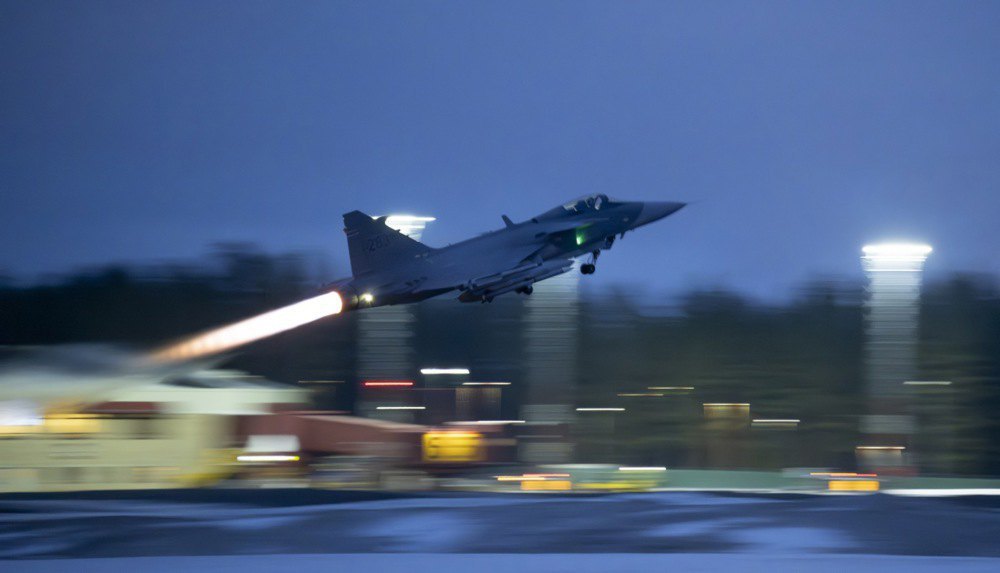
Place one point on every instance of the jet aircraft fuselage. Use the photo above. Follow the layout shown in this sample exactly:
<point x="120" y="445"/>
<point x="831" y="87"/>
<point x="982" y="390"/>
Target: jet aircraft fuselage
<point x="389" y="267"/>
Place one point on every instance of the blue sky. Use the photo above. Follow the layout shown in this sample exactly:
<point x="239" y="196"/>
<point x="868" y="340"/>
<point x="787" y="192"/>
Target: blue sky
<point x="799" y="131"/>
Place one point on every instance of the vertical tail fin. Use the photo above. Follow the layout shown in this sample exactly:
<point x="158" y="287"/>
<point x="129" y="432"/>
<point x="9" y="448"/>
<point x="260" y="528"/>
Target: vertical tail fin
<point x="373" y="245"/>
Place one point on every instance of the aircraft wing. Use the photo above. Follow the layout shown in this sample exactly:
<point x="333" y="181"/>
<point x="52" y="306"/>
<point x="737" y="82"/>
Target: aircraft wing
<point x="520" y="277"/>
<point x="482" y="279"/>
<point x="490" y="271"/>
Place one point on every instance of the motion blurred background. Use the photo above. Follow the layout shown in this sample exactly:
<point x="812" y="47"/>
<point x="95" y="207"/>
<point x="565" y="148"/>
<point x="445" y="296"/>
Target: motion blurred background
<point x="843" y="378"/>
<point x="823" y="315"/>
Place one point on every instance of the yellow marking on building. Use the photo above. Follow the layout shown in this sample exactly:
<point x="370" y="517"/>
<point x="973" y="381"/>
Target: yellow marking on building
<point x="853" y="485"/>
<point x="453" y="447"/>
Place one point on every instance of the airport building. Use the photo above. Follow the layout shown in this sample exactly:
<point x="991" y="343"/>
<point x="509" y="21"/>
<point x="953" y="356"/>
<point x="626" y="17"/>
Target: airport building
<point x="182" y="433"/>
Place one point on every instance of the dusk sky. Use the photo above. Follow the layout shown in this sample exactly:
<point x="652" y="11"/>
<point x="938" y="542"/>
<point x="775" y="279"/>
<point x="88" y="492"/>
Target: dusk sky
<point x="145" y="131"/>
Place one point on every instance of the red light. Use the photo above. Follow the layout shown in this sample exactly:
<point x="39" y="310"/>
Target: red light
<point x="389" y="383"/>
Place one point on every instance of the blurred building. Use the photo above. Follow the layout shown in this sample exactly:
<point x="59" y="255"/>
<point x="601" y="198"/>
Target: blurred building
<point x="894" y="278"/>
<point x="385" y="340"/>
<point x="181" y="433"/>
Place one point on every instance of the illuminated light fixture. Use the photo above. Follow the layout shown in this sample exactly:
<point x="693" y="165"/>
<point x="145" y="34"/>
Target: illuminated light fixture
<point x="841" y="474"/>
<point x="266" y="458"/>
<point x="485" y="383"/>
<point x="671" y="388"/>
<point x="250" y="330"/>
<point x="883" y="448"/>
<point x="600" y="409"/>
<point x="899" y="257"/>
<point x="488" y="422"/>
<point x="409" y="225"/>
<point x="388" y="383"/>
<point x="444" y="371"/>
<point x="776" y="421"/>
<point x="452" y="434"/>
<point x="546" y="485"/>
<point x="853" y="485"/>
<point x="642" y="469"/>
<point x="367" y="298"/>
<point x="639" y="394"/>
<point x="400" y="408"/>
<point x="897" y="250"/>
<point x="531" y="477"/>
<point x="927" y="383"/>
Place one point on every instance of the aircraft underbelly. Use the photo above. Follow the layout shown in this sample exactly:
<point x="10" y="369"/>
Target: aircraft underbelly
<point x="458" y="265"/>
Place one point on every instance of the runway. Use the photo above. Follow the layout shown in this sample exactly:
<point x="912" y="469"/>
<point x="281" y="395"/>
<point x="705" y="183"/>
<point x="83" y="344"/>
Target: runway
<point x="270" y="529"/>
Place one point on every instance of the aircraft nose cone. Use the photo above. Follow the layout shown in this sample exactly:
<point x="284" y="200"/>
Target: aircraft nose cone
<point x="656" y="210"/>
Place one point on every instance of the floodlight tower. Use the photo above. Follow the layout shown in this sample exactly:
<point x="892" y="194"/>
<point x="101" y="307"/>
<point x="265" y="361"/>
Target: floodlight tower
<point x="894" y="277"/>
<point x="550" y="351"/>
<point x="385" y="333"/>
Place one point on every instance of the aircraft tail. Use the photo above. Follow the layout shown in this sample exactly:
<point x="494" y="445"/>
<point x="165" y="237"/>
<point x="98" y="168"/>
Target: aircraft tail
<point x="373" y="245"/>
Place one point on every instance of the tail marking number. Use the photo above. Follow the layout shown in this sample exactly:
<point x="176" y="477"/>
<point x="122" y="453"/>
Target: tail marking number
<point x="378" y="241"/>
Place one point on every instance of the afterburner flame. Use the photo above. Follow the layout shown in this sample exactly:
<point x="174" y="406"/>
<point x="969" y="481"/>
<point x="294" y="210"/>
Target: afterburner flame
<point x="250" y="330"/>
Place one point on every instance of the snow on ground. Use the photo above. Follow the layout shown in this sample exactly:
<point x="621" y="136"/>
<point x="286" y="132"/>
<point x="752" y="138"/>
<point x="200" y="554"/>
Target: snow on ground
<point x="507" y="562"/>
<point x="278" y="530"/>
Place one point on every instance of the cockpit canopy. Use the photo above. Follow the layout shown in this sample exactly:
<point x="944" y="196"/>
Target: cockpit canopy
<point x="584" y="204"/>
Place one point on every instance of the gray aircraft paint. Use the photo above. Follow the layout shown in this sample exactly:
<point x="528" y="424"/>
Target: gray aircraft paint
<point x="390" y="268"/>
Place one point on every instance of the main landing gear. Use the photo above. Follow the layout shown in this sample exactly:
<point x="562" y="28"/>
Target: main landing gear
<point x="589" y="268"/>
<point x="526" y="290"/>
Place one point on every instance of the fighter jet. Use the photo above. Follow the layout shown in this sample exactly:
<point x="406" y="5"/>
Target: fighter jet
<point x="389" y="267"/>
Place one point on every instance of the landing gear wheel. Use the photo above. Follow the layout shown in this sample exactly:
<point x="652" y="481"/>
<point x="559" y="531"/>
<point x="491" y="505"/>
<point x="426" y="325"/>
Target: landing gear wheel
<point x="526" y="290"/>
<point x="588" y="268"/>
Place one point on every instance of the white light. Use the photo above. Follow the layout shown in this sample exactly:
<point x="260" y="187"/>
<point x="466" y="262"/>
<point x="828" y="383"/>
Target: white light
<point x="600" y="409"/>
<point x="400" y="408"/>
<point x="266" y="458"/>
<point x="887" y="448"/>
<point x="394" y="220"/>
<point x="367" y="298"/>
<point x="670" y="387"/>
<point x="487" y="422"/>
<point x="445" y="371"/>
<point x="642" y="469"/>
<point x="927" y="383"/>
<point x="897" y="250"/>
<point x="943" y="492"/>
<point x="895" y="257"/>
<point x="251" y="329"/>
<point x="485" y="383"/>
<point x="775" y="421"/>
<point x="410" y="225"/>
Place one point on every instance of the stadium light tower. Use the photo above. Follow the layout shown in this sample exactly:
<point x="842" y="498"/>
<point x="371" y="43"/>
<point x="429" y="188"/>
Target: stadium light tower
<point x="894" y="278"/>
<point x="385" y="349"/>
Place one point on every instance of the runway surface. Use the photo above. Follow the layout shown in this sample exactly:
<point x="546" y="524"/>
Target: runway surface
<point x="269" y="529"/>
